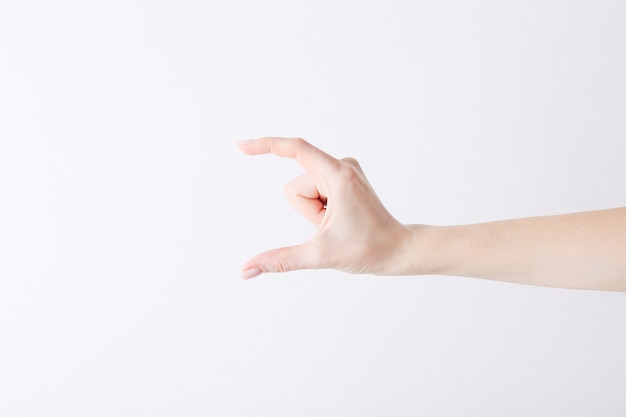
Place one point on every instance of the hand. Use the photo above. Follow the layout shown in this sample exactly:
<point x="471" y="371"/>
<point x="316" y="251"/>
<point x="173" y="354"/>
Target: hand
<point x="355" y="233"/>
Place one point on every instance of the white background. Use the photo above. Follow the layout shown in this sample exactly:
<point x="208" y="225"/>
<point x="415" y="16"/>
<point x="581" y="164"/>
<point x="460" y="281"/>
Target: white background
<point x="126" y="210"/>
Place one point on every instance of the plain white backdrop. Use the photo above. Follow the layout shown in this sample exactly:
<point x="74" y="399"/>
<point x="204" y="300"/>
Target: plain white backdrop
<point x="126" y="210"/>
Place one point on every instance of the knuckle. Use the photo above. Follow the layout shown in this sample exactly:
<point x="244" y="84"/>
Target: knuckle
<point x="281" y="265"/>
<point x="351" y="172"/>
<point x="300" y="142"/>
<point x="351" y="161"/>
<point x="350" y="178"/>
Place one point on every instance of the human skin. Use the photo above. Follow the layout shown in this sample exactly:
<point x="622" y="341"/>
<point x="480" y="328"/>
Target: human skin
<point x="356" y="234"/>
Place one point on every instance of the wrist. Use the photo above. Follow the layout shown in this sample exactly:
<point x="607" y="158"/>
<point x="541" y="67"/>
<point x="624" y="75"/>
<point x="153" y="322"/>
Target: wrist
<point x="416" y="252"/>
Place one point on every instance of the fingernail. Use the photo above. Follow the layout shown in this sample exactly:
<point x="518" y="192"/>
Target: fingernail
<point x="251" y="273"/>
<point x="244" y="142"/>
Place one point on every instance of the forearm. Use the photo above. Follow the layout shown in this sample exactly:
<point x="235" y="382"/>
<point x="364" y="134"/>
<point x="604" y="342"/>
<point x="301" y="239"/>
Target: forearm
<point x="581" y="250"/>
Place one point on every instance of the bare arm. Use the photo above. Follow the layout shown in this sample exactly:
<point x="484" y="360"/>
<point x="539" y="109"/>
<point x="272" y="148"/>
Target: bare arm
<point x="355" y="233"/>
<point x="580" y="250"/>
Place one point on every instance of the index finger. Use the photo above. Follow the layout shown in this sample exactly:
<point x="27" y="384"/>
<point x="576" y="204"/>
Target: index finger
<point x="313" y="160"/>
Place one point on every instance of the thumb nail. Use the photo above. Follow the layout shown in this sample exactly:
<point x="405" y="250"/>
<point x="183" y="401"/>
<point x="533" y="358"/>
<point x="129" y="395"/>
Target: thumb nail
<point x="251" y="273"/>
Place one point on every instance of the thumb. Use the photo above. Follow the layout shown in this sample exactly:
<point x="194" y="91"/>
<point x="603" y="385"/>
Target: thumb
<point x="285" y="259"/>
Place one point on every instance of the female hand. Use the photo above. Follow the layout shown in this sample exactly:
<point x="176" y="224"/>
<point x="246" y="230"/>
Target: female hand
<point x="355" y="233"/>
